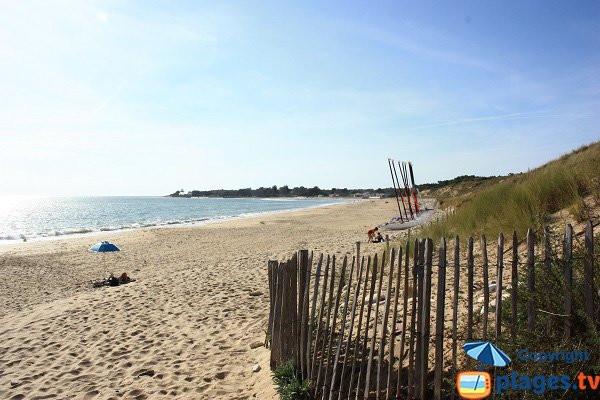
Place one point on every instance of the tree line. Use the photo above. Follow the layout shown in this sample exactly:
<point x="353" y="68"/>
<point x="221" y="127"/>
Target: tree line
<point x="301" y="191"/>
<point x="283" y="191"/>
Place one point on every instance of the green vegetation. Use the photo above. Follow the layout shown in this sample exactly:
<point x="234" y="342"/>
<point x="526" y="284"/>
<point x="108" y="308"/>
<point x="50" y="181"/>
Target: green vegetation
<point x="548" y="297"/>
<point x="283" y="191"/>
<point x="458" y="179"/>
<point x="289" y="385"/>
<point x="526" y="200"/>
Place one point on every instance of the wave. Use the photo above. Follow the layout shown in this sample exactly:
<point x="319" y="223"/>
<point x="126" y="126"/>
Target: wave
<point x="30" y="229"/>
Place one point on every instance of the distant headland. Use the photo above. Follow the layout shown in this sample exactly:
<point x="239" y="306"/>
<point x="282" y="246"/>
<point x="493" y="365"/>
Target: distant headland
<point x="315" y="191"/>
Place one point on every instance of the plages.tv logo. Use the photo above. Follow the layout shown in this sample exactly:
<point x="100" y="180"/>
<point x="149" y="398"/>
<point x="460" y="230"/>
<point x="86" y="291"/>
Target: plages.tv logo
<point x="473" y="385"/>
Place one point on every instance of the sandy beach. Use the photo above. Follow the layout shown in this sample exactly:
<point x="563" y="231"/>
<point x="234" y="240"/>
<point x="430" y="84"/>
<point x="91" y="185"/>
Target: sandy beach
<point x="183" y="330"/>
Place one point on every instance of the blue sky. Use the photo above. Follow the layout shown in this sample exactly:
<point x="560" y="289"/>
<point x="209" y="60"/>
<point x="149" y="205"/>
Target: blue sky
<point x="146" y="97"/>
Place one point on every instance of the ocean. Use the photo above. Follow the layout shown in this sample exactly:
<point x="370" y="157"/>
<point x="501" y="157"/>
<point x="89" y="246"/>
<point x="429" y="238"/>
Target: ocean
<point x="35" y="218"/>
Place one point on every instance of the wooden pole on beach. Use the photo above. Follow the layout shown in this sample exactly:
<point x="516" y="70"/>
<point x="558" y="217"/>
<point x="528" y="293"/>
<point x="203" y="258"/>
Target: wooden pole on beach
<point x="568" y="277"/>
<point x="588" y="273"/>
<point x="357" y="257"/>
<point x="351" y="328"/>
<point x="499" y="271"/>
<point x="439" y="322"/>
<point x="388" y="393"/>
<point x="311" y="325"/>
<point x="340" y="337"/>
<point x="404" y="317"/>
<point x="368" y="321"/>
<point x="514" y="286"/>
<point x="530" y="281"/>
<point x="333" y="325"/>
<point x="384" y="326"/>
<point x="303" y="289"/>
<point x="316" y="354"/>
<point x="413" y="322"/>
<point x="486" y="286"/>
<point x="426" y="318"/>
<point x="455" y="310"/>
<point x="470" y="279"/>
<point x="323" y="360"/>
<point x="358" y="331"/>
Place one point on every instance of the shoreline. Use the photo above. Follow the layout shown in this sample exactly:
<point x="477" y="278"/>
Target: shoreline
<point x="167" y="225"/>
<point x="200" y="299"/>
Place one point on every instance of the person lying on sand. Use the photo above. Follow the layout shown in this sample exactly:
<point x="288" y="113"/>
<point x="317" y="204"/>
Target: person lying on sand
<point x="124" y="278"/>
<point x="371" y="234"/>
<point x="112" y="280"/>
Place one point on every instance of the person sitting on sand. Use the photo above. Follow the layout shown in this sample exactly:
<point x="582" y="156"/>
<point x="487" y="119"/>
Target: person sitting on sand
<point x="378" y="238"/>
<point x="124" y="278"/>
<point x="371" y="234"/>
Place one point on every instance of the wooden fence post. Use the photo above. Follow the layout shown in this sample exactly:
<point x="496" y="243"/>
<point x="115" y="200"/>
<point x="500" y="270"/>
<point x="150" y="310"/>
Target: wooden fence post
<point x="333" y="325"/>
<point x="419" y="321"/>
<point x="311" y="325"/>
<point x="388" y="393"/>
<point x="515" y="285"/>
<point x="272" y="272"/>
<point x="351" y="328"/>
<point x="413" y="323"/>
<point x="568" y="278"/>
<point x="292" y="310"/>
<point x="499" y="271"/>
<point x="404" y="316"/>
<point x="455" y="310"/>
<point x="547" y="276"/>
<point x="368" y="320"/>
<point x="276" y="320"/>
<point x="357" y="256"/>
<point x="323" y="360"/>
<point x="374" y="336"/>
<point x="486" y="286"/>
<point x="530" y="281"/>
<point x="470" y="279"/>
<point x="426" y="321"/>
<point x="588" y="272"/>
<point x="358" y="329"/>
<point x="314" y="371"/>
<point x="439" y="321"/>
<point x="384" y="326"/>
<point x="303" y="289"/>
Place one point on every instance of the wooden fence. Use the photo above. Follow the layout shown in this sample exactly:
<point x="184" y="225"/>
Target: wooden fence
<point x="387" y="327"/>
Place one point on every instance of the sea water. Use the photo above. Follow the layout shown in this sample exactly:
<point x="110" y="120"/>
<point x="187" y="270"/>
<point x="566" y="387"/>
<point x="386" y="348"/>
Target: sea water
<point x="26" y="218"/>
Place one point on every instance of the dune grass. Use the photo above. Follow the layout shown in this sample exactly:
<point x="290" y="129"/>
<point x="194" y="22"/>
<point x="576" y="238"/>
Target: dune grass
<point x="526" y="200"/>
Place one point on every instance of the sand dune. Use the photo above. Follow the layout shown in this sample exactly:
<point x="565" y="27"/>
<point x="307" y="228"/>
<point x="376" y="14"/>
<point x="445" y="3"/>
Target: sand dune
<point x="182" y="330"/>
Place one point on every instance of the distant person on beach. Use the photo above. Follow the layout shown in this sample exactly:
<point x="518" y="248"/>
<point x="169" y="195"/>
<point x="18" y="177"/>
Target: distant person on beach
<point x="124" y="278"/>
<point x="371" y="234"/>
<point x="113" y="280"/>
<point x="378" y="238"/>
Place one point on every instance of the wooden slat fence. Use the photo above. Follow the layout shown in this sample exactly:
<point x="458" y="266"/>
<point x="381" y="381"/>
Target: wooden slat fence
<point x="362" y="328"/>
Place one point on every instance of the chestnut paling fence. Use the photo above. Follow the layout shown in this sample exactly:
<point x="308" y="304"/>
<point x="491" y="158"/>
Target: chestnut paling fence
<point x="390" y="326"/>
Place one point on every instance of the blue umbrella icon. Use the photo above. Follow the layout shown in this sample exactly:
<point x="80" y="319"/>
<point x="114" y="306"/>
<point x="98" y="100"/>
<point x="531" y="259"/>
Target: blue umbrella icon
<point x="102" y="247"/>
<point x="486" y="353"/>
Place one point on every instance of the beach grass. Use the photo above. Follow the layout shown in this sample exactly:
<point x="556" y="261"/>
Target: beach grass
<point x="526" y="200"/>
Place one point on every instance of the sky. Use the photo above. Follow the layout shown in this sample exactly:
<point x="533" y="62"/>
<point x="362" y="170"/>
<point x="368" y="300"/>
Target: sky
<point x="148" y="97"/>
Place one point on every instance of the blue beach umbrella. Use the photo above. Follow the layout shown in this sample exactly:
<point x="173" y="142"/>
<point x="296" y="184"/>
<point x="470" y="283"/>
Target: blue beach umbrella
<point x="486" y="353"/>
<point x="102" y="247"/>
